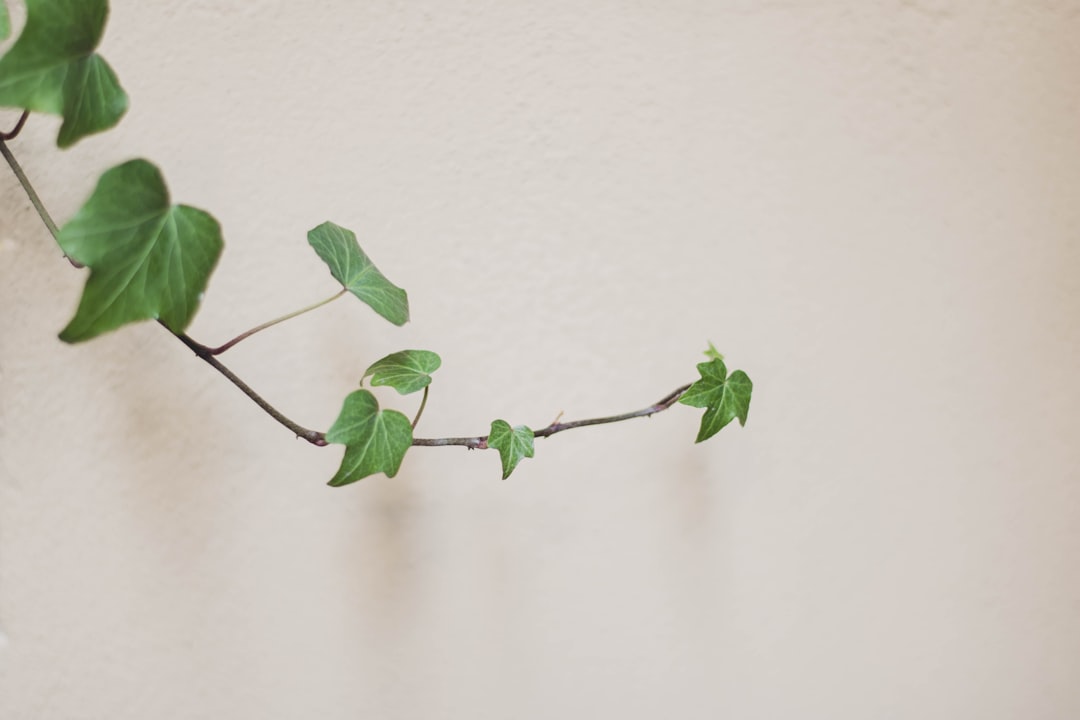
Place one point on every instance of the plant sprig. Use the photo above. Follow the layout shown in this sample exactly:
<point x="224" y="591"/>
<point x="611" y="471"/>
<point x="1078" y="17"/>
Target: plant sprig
<point x="150" y="259"/>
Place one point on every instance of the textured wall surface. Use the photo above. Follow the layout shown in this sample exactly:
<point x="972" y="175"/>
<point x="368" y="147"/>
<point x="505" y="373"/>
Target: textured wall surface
<point x="869" y="206"/>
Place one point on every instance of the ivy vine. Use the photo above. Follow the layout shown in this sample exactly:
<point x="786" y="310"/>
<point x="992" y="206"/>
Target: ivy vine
<point x="150" y="259"/>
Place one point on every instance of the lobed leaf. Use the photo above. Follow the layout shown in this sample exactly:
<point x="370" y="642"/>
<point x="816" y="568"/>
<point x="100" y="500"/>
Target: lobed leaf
<point x="375" y="440"/>
<point x="513" y="444"/>
<point x="5" y="21"/>
<point x="724" y="397"/>
<point x="52" y="68"/>
<point x="406" y="371"/>
<point x="349" y="265"/>
<point x="148" y="259"/>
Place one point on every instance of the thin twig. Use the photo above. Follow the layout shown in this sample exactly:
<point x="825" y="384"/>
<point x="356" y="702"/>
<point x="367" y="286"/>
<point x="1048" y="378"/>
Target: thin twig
<point x="312" y="436"/>
<point x="14" y="132"/>
<point x="479" y="442"/>
<point x="32" y="194"/>
<point x="244" y="335"/>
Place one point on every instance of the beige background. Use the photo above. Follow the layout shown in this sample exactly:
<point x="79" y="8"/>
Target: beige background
<point x="869" y="206"/>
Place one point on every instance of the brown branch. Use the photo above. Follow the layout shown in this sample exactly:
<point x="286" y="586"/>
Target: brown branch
<point x="479" y="442"/>
<point x="14" y="132"/>
<point x="314" y="436"/>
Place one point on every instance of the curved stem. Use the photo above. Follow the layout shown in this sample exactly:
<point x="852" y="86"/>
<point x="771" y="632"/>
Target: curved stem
<point x="479" y="442"/>
<point x="14" y="132"/>
<point x="312" y="436"/>
<point x="244" y="335"/>
<point x="423" y="404"/>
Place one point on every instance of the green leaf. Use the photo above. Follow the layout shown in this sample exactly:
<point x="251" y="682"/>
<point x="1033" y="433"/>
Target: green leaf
<point x="52" y="68"/>
<point x="375" y="440"/>
<point x="148" y="259"/>
<point x="713" y="353"/>
<point x="5" y="21"/>
<point x="513" y="444"/>
<point x="406" y="371"/>
<point x="724" y="397"/>
<point x="355" y="271"/>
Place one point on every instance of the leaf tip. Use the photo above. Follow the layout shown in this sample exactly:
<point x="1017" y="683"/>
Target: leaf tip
<point x="712" y="352"/>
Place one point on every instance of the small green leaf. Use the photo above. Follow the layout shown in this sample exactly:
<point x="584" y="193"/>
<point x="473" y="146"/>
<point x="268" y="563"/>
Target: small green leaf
<point x="355" y="271"/>
<point x="5" y="21"/>
<point x="724" y="397"/>
<point x="713" y="353"/>
<point x="513" y="444"/>
<point x="148" y="259"/>
<point x="52" y="68"/>
<point x="406" y="371"/>
<point x="375" y="440"/>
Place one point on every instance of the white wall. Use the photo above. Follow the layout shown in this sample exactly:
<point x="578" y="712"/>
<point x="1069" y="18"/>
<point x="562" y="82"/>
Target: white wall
<point x="869" y="206"/>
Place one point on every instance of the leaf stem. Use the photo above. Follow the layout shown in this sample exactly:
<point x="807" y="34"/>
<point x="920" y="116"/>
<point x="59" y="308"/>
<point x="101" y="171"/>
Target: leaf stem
<point x="29" y="189"/>
<point x="423" y="404"/>
<point x="312" y="436"/>
<point x="14" y="132"/>
<point x="244" y="335"/>
<point x="479" y="442"/>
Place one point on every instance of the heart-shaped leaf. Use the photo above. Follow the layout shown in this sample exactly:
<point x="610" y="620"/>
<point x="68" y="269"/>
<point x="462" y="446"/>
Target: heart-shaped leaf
<point x="406" y="371"/>
<point x="724" y="397"/>
<point x="148" y="259"/>
<point x="349" y="265"/>
<point x="513" y="444"/>
<point x="52" y="68"/>
<point x="375" y="440"/>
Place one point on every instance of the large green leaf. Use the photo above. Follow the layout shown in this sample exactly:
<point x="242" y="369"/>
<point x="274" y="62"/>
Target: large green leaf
<point x="148" y="259"/>
<point x="406" y="371"/>
<point x="375" y="440"/>
<point x="724" y="397"/>
<point x="5" y="21"/>
<point x="52" y="68"/>
<point x="513" y="444"/>
<point x="355" y="271"/>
